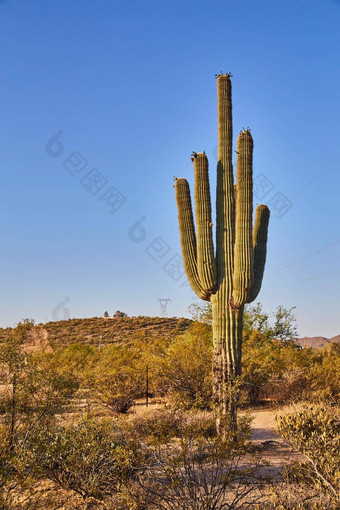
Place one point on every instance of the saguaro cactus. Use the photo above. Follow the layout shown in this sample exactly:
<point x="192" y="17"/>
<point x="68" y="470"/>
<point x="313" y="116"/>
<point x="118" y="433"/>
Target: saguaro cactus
<point x="231" y="276"/>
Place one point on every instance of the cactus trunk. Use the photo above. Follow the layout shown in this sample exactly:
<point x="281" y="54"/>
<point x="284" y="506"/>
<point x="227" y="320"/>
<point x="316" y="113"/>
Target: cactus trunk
<point x="233" y="276"/>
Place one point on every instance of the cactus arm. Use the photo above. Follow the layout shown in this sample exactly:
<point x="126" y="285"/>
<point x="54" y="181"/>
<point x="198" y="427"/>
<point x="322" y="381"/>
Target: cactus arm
<point x="188" y="237"/>
<point x="260" y="235"/>
<point x="206" y="263"/>
<point x="243" y="248"/>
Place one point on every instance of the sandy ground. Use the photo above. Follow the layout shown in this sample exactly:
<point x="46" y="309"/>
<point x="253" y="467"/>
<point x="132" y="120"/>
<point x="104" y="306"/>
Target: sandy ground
<point x="275" y="450"/>
<point x="264" y="435"/>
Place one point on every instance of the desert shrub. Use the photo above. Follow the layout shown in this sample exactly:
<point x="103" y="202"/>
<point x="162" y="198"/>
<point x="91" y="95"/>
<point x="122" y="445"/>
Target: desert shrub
<point x="260" y="360"/>
<point x="34" y="390"/>
<point x="201" y="312"/>
<point x="77" y="359"/>
<point x="45" y="390"/>
<point x="198" y="472"/>
<point x="164" y="425"/>
<point x="200" y="424"/>
<point x="304" y="375"/>
<point x="7" y="467"/>
<point x="120" y="403"/>
<point x="157" y="426"/>
<point x="184" y="373"/>
<point x="89" y="458"/>
<point x="255" y="319"/>
<point x="294" y="496"/>
<point x="281" y="371"/>
<point x="185" y="464"/>
<point x="290" y="386"/>
<point x="264" y="361"/>
<point x="16" y="468"/>
<point x="269" y="354"/>
<point x="315" y="432"/>
<point x="33" y="393"/>
<point x="118" y="375"/>
<point x="324" y="375"/>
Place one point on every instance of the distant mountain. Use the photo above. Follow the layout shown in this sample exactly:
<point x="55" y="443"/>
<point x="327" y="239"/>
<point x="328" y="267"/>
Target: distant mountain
<point x="317" y="341"/>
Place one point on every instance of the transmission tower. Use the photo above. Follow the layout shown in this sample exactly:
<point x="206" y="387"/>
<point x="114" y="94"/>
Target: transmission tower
<point x="164" y="303"/>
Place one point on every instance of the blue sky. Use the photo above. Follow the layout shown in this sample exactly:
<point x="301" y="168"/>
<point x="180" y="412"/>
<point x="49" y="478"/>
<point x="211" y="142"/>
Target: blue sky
<point x="131" y="87"/>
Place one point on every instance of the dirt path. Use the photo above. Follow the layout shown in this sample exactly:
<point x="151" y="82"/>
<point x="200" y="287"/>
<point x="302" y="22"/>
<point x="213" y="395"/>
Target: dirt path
<point x="264" y="435"/>
<point x="275" y="450"/>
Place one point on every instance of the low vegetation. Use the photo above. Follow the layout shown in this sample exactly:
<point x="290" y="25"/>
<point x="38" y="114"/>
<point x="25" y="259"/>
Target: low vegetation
<point x="66" y="421"/>
<point x="315" y="432"/>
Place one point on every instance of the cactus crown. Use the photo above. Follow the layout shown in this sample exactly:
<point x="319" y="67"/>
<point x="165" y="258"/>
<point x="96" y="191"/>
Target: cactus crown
<point x="222" y="75"/>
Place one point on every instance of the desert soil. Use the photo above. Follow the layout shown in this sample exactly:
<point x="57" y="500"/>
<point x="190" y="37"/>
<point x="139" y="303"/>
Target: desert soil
<point x="275" y="451"/>
<point x="264" y="435"/>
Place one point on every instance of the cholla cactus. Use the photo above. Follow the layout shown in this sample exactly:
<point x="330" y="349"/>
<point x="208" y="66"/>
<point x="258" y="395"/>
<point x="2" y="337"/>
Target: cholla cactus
<point x="231" y="276"/>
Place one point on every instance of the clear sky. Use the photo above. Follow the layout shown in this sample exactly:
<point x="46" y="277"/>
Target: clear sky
<point x="102" y="102"/>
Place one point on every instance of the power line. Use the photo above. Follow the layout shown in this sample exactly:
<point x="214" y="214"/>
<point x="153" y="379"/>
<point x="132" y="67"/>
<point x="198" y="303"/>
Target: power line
<point x="310" y="278"/>
<point x="336" y="284"/>
<point x="305" y="257"/>
<point x="316" y="177"/>
<point x="316" y="236"/>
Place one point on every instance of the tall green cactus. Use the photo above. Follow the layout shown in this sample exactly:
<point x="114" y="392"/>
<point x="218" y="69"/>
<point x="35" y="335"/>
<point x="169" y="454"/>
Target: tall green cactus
<point x="232" y="276"/>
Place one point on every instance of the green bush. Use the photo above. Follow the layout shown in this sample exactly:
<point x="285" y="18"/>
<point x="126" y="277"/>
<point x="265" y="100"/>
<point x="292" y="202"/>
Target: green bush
<point x="184" y="373"/>
<point x="89" y="458"/>
<point x="315" y="432"/>
<point x="119" y="373"/>
<point x="324" y="375"/>
<point x="281" y="371"/>
<point x="158" y="426"/>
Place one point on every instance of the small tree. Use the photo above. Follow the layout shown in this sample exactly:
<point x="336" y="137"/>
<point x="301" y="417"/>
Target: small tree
<point x="201" y="312"/>
<point x="119" y="314"/>
<point x="285" y="323"/>
<point x="185" y="372"/>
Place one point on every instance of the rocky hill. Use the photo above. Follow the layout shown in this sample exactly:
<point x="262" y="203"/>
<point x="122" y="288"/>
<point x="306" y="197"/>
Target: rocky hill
<point x="105" y="330"/>
<point x="102" y="330"/>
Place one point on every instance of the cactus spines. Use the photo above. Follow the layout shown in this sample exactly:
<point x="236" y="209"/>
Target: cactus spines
<point x="232" y="276"/>
<point x="243" y="245"/>
<point x="188" y="237"/>
<point x="260" y="233"/>
<point x="206" y="264"/>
